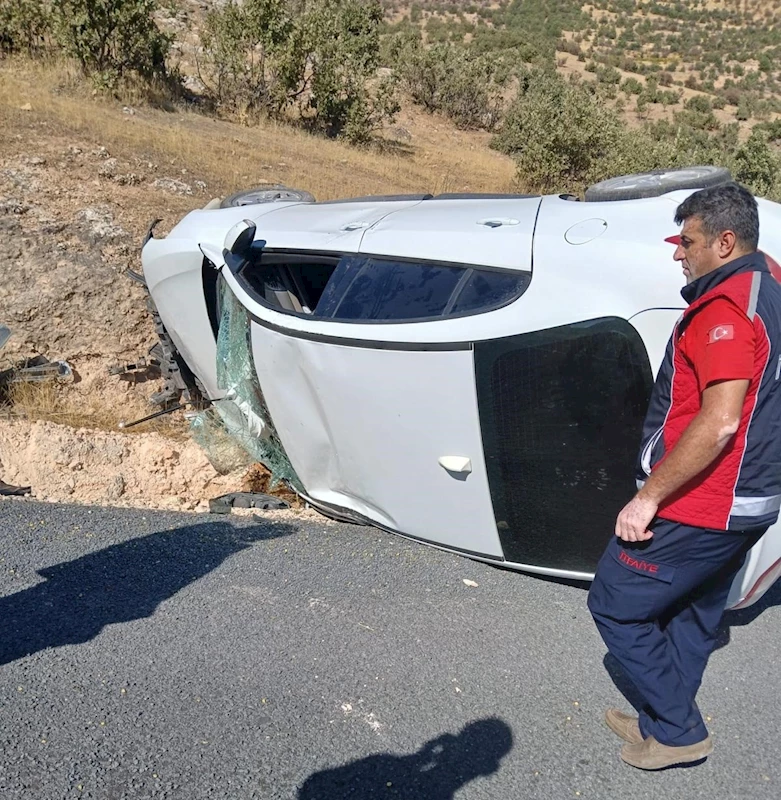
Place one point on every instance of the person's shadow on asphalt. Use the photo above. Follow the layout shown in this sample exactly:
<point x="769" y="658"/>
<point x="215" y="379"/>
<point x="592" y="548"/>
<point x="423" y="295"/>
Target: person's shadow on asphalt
<point x="124" y="582"/>
<point x="435" y="772"/>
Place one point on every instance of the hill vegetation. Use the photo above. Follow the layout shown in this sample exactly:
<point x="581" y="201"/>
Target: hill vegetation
<point x="612" y="86"/>
<point x="574" y="93"/>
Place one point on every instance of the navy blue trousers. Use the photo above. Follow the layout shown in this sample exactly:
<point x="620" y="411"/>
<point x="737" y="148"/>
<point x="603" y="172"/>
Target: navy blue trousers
<point x="658" y="605"/>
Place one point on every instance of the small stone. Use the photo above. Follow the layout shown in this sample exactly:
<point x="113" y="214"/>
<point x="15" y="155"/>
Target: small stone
<point x="108" y="169"/>
<point x="173" y="186"/>
<point x="26" y="107"/>
<point x="116" y="488"/>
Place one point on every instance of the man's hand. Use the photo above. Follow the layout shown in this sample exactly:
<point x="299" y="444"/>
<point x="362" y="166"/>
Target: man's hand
<point x="634" y="519"/>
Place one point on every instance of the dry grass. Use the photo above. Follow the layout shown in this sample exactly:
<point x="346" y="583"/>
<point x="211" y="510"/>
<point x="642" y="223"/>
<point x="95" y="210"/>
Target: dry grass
<point x="51" y="401"/>
<point x="229" y="156"/>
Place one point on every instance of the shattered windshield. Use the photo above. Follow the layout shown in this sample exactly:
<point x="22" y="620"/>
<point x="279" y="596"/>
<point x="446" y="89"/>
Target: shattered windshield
<point x="243" y="412"/>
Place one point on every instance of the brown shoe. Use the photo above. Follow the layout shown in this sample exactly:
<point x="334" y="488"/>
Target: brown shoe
<point x="624" y="725"/>
<point x="649" y="754"/>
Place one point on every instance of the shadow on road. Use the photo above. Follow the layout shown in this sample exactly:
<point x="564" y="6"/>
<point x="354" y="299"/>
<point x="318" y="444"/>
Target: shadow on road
<point x="124" y="582"/>
<point x="436" y="772"/>
<point x="771" y="598"/>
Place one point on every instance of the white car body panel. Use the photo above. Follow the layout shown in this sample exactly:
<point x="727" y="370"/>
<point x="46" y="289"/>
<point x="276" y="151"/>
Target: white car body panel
<point x="459" y="231"/>
<point x="370" y="445"/>
<point x="366" y="411"/>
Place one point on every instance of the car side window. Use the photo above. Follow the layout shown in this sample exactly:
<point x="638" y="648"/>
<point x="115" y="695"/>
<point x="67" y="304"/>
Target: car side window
<point x="391" y="290"/>
<point x="361" y="288"/>
<point x="484" y="290"/>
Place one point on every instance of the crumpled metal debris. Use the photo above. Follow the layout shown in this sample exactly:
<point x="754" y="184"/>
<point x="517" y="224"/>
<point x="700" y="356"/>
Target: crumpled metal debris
<point x="37" y="370"/>
<point x="224" y="503"/>
<point x="33" y="370"/>
<point x="7" y="490"/>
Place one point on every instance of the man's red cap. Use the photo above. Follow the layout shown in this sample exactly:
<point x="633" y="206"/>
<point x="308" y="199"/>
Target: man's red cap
<point x="676" y="240"/>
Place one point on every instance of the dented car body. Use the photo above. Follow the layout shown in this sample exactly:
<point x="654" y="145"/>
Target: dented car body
<point x="468" y="371"/>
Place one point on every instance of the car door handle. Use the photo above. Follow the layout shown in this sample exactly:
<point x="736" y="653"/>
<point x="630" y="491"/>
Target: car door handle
<point x="460" y="464"/>
<point x="498" y="222"/>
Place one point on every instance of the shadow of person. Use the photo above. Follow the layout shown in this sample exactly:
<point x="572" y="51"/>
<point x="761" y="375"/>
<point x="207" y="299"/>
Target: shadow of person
<point x="124" y="582"/>
<point x="436" y="772"/>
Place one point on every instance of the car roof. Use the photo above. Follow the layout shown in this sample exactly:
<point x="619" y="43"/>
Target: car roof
<point x="490" y="230"/>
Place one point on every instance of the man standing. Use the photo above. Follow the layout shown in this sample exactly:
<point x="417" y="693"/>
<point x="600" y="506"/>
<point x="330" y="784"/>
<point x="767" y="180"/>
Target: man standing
<point x="709" y="473"/>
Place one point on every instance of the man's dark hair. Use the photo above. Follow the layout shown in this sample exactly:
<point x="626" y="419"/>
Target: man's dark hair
<point x="730" y="207"/>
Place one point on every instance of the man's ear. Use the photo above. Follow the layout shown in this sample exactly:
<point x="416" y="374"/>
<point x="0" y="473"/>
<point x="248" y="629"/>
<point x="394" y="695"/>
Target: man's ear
<point x="725" y="244"/>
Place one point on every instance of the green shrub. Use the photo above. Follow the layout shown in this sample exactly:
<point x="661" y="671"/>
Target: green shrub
<point x="112" y="38"/>
<point x="699" y="120"/>
<point x="756" y="165"/>
<point x="745" y="107"/>
<point x="341" y="45"/>
<point x="632" y="86"/>
<point x="248" y="63"/>
<point x="699" y="103"/>
<point x="558" y="133"/>
<point x="25" y="26"/>
<point x="451" y="79"/>
<point x="608" y="75"/>
<point x="272" y="56"/>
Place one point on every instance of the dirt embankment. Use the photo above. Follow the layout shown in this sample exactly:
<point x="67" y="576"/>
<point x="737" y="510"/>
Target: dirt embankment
<point x="65" y="243"/>
<point x="64" y="464"/>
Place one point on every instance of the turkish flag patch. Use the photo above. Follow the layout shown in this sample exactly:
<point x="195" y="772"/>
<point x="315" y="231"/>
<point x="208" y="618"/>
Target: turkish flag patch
<point x="721" y="333"/>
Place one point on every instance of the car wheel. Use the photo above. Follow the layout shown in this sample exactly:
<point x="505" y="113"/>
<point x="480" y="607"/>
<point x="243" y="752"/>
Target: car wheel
<point x="657" y="182"/>
<point x="270" y="193"/>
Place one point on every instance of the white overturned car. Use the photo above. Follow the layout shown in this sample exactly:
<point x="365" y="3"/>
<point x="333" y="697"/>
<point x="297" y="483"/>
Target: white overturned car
<point x="470" y="371"/>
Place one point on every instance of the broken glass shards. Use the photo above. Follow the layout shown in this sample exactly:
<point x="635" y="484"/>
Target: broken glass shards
<point x="243" y="413"/>
<point x="224" y="452"/>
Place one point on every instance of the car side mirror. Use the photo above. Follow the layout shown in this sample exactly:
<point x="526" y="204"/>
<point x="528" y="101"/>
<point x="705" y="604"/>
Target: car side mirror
<point x="239" y="238"/>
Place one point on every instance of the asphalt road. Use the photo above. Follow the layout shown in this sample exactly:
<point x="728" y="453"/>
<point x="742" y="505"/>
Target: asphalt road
<point x="151" y="655"/>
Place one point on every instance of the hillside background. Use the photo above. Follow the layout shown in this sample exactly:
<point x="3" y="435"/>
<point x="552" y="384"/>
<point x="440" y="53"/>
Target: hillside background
<point x="572" y="93"/>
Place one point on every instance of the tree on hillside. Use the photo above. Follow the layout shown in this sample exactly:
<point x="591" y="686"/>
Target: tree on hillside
<point x="111" y="38"/>
<point x="557" y="133"/>
<point x="24" y="25"/>
<point x="452" y="79"/>
<point x="317" y="56"/>
<point x="341" y="43"/>
<point x="248" y="61"/>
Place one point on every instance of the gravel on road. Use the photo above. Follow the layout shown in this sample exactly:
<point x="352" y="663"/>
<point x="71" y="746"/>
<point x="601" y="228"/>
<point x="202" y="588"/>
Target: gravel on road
<point x="162" y="655"/>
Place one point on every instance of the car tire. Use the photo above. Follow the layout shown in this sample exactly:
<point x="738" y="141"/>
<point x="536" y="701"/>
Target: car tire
<point x="657" y="182"/>
<point x="270" y="193"/>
